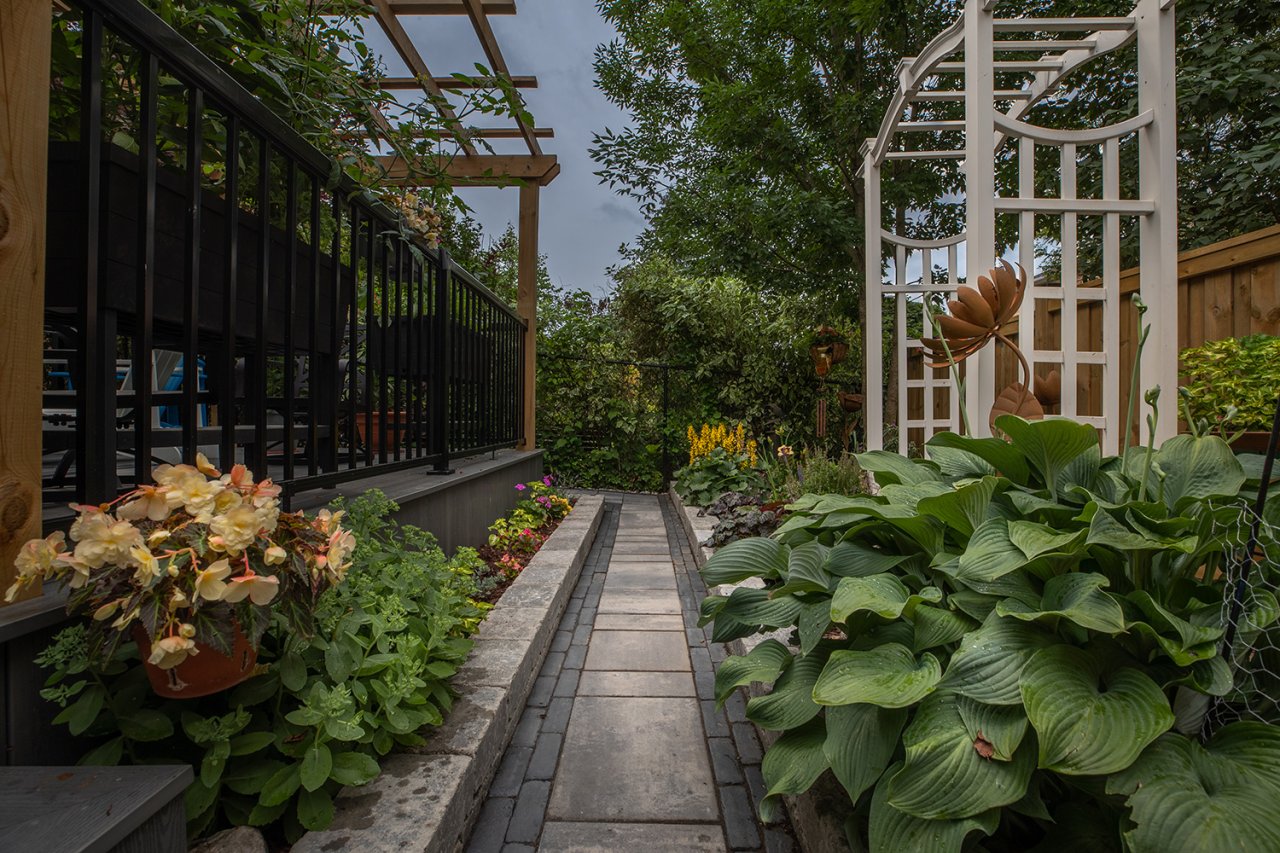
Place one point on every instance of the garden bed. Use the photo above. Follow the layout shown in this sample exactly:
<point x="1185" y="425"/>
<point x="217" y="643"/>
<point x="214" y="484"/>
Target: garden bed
<point x="427" y="798"/>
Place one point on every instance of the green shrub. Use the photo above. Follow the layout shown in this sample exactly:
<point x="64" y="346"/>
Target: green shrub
<point x="1240" y="374"/>
<point x="815" y="473"/>
<point x="714" y="473"/>
<point x="1015" y="639"/>
<point x="276" y="749"/>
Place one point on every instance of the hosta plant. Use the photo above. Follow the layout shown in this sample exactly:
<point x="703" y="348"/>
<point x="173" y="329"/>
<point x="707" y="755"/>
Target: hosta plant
<point x="1013" y="644"/>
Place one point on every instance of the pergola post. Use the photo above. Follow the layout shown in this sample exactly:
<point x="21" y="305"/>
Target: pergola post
<point x="527" y="308"/>
<point x="25" y="36"/>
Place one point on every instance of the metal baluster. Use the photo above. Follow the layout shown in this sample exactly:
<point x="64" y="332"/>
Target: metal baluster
<point x="260" y="352"/>
<point x="191" y="320"/>
<point x="314" y="399"/>
<point x="290" y="286"/>
<point x="231" y="242"/>
<point x="144" y="341"/>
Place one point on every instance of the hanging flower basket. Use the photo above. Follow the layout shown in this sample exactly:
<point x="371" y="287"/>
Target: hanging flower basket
<point x="849" y="402"/>
<point x="204" y="671"/>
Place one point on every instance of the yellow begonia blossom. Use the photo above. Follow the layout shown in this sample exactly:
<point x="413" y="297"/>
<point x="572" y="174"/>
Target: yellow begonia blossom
<point x="204" y="466"/>
<point x="171" y="651"/>
<point x="210" y="581"/>
<point x="274" y="556"/>
<point x="107" y="610"/>
<point x="106" y="540"/>
<point x="148" y="567"/>
<point x="260" y="589"/>
<point x="235" y="529"/>
<point x="153" y="502"/>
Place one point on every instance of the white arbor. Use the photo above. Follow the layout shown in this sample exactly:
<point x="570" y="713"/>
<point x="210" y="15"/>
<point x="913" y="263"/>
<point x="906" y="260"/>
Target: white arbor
<point x="977" y="51"/>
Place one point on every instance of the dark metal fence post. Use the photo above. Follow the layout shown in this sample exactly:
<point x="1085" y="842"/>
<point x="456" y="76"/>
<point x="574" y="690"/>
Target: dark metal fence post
<point x="665" y="426"/>
<point x="440" y="364"/>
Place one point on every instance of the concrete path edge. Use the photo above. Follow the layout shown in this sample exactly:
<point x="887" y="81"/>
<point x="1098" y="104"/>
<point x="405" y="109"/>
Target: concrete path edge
<point x="811" y="813"/>
<point x="428" y="798"/>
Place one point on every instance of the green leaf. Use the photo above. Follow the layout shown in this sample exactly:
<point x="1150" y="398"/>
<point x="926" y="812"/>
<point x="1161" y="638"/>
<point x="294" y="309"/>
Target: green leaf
<point x="999" y="454"/>
<point x="989" y="662"/>
<point x="889" y="676"/>
<point x="894" y="831"/>
<point x="317" y="763"/>
<point x="990" y="553"/>
<point x="790" y="703"/>
<point x="804" y="570"/>
<point x="105" y="755"/>
<point x="1198" y="467"/>
<point x="861" y="740"/>
<point x="937" y="627"/>
<point x="963" y="509"/>
<point x="758" y="607"/>
<point x="199" y="797"/>
<point x="1050" y="445"/>
<point x="315" y="810"/>
<point x="282" y="784"/>
<point x="883" y="595"/>
<point x="763" y="664"/>
<point x="354" y="768"/>
<point x="1105" y="529"/>
<point x="1034" y="539"/>
<point x="855" y="560"/>
<point x="1075" y="596"/>
<point x="81" y="714"/>
<point x="793" y="764"/>
<point x="1001" y="726"/>
<point x="891" y="468"/>
<point x="145" y="725"/>
<point x="814" y="621"/>
<point x="1092" y="714"/>
<point x="214" y="762"/>
<point x="249" y="777"/>
<point x="746" y="558"/>
<point x="293" y="672"/>
<point x="1220" y="796"/>
<point x="946" y="775"/>
<point x="251" y="742"/>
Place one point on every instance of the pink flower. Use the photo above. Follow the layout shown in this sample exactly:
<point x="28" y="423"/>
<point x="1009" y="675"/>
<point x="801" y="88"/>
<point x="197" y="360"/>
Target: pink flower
<point x="520" y="487"/>
<point x="546" y="481"/>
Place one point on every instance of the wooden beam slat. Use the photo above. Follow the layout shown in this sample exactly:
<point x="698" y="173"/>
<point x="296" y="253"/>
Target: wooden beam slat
<point x="450" y="7"/>
<point x="522" y="81"/>
<point x="482" y="167"/>
<point x="475" y="11"/>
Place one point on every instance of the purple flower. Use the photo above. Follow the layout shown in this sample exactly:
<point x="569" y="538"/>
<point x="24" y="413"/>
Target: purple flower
<point x="520" y="487"/>
<point x="546" y="481"/>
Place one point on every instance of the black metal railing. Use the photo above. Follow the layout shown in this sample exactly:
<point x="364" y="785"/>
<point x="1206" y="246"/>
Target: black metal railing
<point x="215" y="284"/>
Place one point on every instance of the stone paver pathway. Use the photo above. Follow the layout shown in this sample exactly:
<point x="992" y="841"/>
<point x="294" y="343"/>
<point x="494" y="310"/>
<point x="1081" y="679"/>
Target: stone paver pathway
<point x="621" y="746"/>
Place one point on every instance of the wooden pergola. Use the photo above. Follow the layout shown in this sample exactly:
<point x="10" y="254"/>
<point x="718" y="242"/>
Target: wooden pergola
<point x="529" y="171"/>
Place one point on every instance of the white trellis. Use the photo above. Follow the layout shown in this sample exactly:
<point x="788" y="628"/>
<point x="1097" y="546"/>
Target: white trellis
<point x="988" y="47"/>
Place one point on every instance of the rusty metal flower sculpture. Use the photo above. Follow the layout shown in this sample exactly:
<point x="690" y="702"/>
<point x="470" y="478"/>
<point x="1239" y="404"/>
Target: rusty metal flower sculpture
<point x="977" y="317"/>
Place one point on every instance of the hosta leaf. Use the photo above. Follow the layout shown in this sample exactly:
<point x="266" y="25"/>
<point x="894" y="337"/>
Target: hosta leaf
<point x="889" y="676"/>
<point x="1198" y="467"/>
<point x="894" y="831"/>
<point x="804" y="570"/>
<point x="1049" y="445"/>
<point x="1077" y="597"/>
<point x="793" y="764"/>
<point x="1220" y="796"/>
<point x="764" y="664"/>
<point x="892" y="468"/>
<point x="814" y="621"/>
<point x="989" y="662"/>
<point x="1105" y="529"/>
<point x="990" y="553"/>
<point x="947" y="773"/>
<point x="1002" y="726"/>
<point x="745" y="558"/>
<point x="1182" y="641"/>
<point x="758" y="607"/>
<point x="937" y="627"/>
<point x="861" y="740"/>
<point x="959" y="464"/>
<point x="1001" y="455"/>
<point x="976" y="605"/>
<point x="1034" y="539"/>
<point x="790" y="703"/>
<point x="883" y="595"/>
<point x="854" y="560"/>
<point x="909" y="496"/>
<point x="1092" y="714"/>
<point x="963" y="509"/>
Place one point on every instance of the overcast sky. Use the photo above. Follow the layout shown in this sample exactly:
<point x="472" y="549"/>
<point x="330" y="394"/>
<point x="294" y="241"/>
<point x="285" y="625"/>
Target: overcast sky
<point x="582" y="222"/>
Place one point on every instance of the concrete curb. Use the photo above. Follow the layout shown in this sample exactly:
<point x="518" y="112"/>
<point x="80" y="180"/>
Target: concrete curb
<point x="427" y="798"/>
<point x="811" y="813"/>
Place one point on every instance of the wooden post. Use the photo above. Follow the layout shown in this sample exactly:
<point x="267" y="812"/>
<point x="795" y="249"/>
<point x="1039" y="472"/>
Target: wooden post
<point x="25" y="35"/>
<point x="527" y="306"/>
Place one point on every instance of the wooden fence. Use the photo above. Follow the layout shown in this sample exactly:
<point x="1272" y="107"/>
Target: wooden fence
<point x="1225" y="290"/>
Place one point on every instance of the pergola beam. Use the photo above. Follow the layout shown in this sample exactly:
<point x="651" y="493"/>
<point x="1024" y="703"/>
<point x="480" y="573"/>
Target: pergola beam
<point x="450" y="7"/>
<point x="524" y="81"/>
<point x="475" y="11"/>
<point x="481" y="170"/>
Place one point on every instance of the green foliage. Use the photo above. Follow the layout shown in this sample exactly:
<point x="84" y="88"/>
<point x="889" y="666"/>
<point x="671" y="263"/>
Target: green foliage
<point x="813" y="472"/>
<point x="275" y="750"/>
<point x="715" y="473"/>
<point x="1012" y="638"/>
<point x="1233" y="382"/>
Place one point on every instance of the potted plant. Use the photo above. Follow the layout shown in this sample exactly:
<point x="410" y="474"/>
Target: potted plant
<point x="1231" y="386"/>
<point x="828" y="346"/>
<point x="192" y="568"/>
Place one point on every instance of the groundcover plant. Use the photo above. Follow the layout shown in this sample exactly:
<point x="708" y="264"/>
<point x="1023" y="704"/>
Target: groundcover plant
<point x="1018" y="639"/>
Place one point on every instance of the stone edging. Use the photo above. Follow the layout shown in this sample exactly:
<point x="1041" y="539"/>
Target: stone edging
<point x="811" y="813"/>
<point x="427" y="798"/>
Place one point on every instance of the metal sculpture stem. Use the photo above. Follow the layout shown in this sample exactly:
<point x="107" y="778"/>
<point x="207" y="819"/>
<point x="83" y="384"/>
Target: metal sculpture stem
<point x="1026" y="368"/>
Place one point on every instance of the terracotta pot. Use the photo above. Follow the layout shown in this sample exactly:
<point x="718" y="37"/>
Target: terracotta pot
<point x="1252" y="442"/>
<point x="208" y="671"/>
<point x="839" y="352"/>
<point x="850" y="402"/>
<point x="370" y="424"/>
